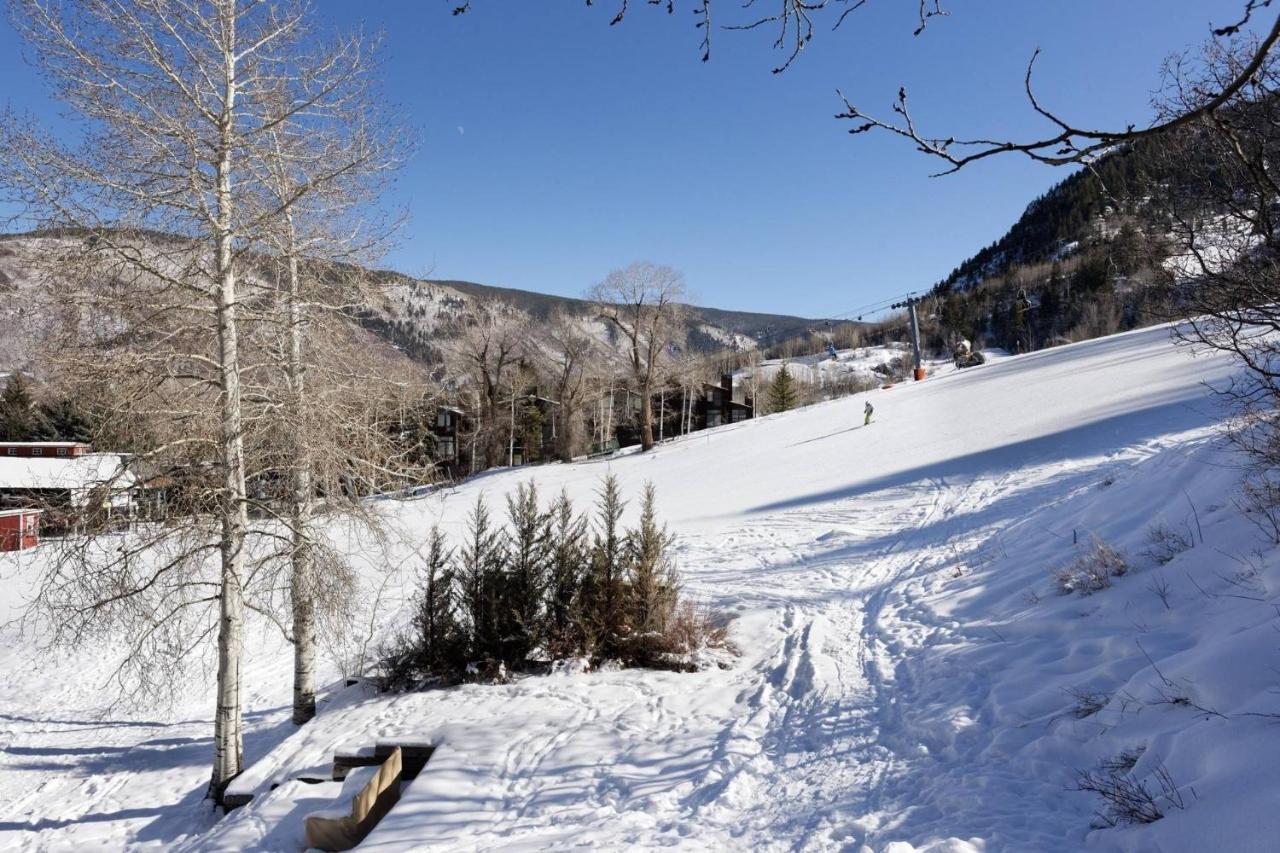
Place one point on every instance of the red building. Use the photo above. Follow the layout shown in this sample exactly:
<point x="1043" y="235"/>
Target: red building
<point x="19" y="529"/>
<point x="44" y="449"/>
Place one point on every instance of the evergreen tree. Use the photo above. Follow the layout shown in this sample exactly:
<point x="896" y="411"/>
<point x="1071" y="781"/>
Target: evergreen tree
<point x="651" y="575"/>
<point x="783" y="394"/>
<point x="1127" y="250"/>
<point x="15" y="410"/>
<point x="529" y="560"/>
<point x="20" y="420"/>
<point x="480" y="575"/>
<point x="569" y="565"/>
<point x="435" y="618"/>
<point x="434" y="648"/>
<point x="63" y="420"/>
<point x="530" y="422"/>
<point x="603" y="593"/>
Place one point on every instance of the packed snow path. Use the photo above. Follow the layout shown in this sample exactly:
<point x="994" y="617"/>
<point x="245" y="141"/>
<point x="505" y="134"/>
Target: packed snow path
<point x="904" y="668"/>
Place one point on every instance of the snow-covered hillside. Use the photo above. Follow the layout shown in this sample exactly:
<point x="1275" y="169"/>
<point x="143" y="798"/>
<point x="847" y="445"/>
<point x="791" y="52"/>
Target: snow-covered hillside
<point x="909" y="677"/>
<point x="859" y="363"/>
<point x="820" y="368"/>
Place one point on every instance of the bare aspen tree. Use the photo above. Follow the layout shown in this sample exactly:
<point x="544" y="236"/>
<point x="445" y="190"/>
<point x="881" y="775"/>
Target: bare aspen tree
<point x="572" y="360"/>
<point x="330" y="439"/>
<point x="330" y="433"/>
<point x="641" y="303"/>
<point x="178" y="103"/>
<point x="1221" y="216"/>
<point x="686" y="372"/>
<point x="322" y="167"/>
<point x="487" y="351"/>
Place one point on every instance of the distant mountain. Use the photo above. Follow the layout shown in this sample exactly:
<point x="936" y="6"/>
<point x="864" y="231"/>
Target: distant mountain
<point x="420" y="311"/>
<point x="417" y="316"/>
<point x="759" y="327"/>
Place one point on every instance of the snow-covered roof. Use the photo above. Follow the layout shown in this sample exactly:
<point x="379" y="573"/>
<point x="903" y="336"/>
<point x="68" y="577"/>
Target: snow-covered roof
<point x="43" y="444"/>
<point x="72" y="472"/>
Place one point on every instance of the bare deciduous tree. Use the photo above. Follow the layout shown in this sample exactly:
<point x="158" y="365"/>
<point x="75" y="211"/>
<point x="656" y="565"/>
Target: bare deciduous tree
<point x="1221" y="210"/>
<point x="572" y="361"/>
<point x="642" y="304"/>
<point x="487" y="351"/>
<point x="1071" y="142"/>
<point x="179" y="105"/>
<point x="322" y="166"/>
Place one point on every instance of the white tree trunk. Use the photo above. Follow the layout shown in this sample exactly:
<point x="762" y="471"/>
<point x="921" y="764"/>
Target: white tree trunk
<point x="228" y="756"/>
<point x="302" y="583"/>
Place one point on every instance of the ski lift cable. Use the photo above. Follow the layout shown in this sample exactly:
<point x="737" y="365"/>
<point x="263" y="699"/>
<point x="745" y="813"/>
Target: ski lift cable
<point x="875" y="307"/>
<point x="882" y="304"/>
<point x="870" y="307"/>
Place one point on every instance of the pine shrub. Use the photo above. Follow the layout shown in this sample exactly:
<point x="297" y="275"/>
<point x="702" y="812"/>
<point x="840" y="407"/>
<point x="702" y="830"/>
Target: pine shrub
<point x="602" y="613"/>
<point x="570" y="562"/>
<point x="529" y="554"/>
<point x="430" y="654"/>
<point x="549" y="586"/>
<point x="483" y="586"/>
<point x="653" y="589"/>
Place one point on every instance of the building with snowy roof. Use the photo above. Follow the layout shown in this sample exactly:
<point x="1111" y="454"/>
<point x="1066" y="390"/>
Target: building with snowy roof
<point x="76" y="484"/>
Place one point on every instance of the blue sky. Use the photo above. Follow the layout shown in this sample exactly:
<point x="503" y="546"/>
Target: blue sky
<point x="554" y="148"/>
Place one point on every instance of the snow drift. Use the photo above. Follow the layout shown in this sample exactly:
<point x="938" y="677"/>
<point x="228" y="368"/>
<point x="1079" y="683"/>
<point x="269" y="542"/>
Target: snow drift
<point x="910" y="677"/>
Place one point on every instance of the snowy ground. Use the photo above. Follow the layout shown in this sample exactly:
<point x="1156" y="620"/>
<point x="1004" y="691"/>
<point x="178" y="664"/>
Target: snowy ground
<point x="909" y="678"/>
<point x="860" y="363"/>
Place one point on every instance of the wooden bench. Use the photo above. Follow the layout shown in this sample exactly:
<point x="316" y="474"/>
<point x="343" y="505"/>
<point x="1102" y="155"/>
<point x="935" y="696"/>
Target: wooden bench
<point x="234" y="801"/>
<point x="342" y="831"/>
<point x="415" y="757"/>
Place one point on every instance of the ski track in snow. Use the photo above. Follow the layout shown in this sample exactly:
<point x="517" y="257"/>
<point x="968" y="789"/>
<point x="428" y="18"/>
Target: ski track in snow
<point x="835" y="729"/>
<point x="816" y="710"/>
<point x="807" y="718"/>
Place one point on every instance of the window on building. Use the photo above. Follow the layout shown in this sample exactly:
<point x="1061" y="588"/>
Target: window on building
<point x="713" y="418"/>
<point x="62" y="451"/>
<point x="37" y="451"/>
<point x="13" y="451"/>
<point x="442" y="419"/>
<point x="446" y="449"/>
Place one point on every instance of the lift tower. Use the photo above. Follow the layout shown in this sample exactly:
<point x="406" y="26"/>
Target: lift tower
<point x="910" y="304"/>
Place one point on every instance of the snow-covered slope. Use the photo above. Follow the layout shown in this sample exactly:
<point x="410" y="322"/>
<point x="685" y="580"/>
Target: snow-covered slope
<point x="858" y="364"/>
<point x="820" y="368"/>
<point x="909" y="678"/>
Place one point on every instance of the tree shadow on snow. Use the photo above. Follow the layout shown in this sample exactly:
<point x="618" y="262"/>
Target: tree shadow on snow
<point x="173" y="818"/>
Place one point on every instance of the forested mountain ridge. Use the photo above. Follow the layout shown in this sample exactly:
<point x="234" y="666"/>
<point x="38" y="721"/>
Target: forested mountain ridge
<point x="420" y="310"/>
<point x="1074" y="265"/>
<point x="1070" y="211"/>
<point x="1078" y="263"/>
<point x="418" y="315"/>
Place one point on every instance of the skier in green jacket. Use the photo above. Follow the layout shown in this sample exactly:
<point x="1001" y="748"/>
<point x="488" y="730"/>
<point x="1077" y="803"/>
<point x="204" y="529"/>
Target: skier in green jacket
<point x="867" y="411"/>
